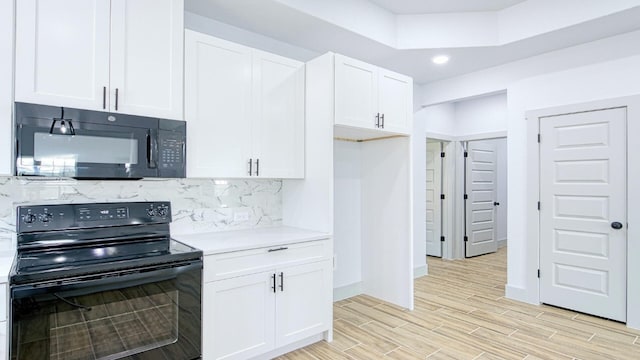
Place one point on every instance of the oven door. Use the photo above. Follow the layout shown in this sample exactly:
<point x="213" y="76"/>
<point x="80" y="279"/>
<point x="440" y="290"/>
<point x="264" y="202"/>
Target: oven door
<point x="142" y="314"/>
<point x="123" y="147"/>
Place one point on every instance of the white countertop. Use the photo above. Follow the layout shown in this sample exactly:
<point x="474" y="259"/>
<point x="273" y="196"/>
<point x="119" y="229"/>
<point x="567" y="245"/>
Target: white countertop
<point x="227" y="241"/>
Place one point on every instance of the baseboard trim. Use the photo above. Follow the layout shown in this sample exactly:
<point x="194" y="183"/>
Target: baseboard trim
<point x="347" y="291"/>
<point x="518" y="293"/>
<point x="420" y="271"/>
<point x="289" y="348"/>
<point x="502" y="242"/>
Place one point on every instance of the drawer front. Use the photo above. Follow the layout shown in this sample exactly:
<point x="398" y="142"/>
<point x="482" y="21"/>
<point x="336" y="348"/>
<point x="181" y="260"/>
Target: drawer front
<point x="228" y="265"/>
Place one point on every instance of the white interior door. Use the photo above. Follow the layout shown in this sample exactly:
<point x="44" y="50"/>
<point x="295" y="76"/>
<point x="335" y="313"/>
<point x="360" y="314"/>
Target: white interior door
<point x="481" y="190"/>
<point x="582" y="193"/>
<point x="434" y="208"/>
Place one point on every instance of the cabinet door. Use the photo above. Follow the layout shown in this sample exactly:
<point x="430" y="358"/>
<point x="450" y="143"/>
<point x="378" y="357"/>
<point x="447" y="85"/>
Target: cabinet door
<point x="217" y="106"/>
<point x="62" y="52"/>
<point x="395" y="101"/>
<point x="238" y="317"/>
<point x="303" y="306"/>
<point x="146" y="57"/>
<point x="356" y="93"/>
<point x="6" y="85"/>
<point x="278" y="121"/>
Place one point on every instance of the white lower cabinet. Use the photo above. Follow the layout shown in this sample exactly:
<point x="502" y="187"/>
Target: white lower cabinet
<point x="4" y="348"/>
<point x="249" y="315"/>
<point x="302" y="294"/>
<point x="239" y="317"/>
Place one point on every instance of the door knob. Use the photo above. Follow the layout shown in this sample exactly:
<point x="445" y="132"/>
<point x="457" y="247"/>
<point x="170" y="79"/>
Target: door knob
<point x="616" y="225"/>
<point x="495" y="203"/>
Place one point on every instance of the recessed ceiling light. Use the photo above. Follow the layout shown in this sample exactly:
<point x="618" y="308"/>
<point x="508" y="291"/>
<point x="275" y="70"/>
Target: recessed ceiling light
<point x="440" y="59"/>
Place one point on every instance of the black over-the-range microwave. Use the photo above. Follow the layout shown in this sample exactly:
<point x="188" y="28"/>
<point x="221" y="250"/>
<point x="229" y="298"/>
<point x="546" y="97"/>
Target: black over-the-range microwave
<point x="84" y="144"/>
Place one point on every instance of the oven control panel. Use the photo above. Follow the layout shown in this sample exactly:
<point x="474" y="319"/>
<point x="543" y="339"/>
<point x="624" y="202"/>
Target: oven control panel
<point x="74" y="216"/>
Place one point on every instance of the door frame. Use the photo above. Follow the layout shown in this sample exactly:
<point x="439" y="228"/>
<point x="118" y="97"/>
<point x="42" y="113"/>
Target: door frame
<point x="437" y="197"/>
<point x="449" y="188"/>
<point x="532" y="245"/>
<point x="459" y="250"/>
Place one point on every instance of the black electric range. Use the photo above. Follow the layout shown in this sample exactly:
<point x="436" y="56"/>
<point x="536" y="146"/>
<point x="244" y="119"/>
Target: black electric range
<point x="107" y="281"/>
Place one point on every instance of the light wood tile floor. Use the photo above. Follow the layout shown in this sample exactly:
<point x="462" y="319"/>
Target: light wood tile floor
<point x="461" y="313"/>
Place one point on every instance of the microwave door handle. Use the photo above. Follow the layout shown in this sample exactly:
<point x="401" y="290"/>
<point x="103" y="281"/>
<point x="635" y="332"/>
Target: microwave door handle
<point x="152" y="149"/>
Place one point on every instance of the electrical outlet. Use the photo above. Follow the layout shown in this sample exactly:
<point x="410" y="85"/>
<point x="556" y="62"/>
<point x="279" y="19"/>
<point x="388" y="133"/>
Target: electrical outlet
<point x="240" y="216"/>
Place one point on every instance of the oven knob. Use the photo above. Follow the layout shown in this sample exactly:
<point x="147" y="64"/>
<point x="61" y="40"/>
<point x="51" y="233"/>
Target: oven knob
<point x="29" y="218"/>
<point x="150" y="212"/>
<point x="162" y="211"/>
<point x="46" y="217"/>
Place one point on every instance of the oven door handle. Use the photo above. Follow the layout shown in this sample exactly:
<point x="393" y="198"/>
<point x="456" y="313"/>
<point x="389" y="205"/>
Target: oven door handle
<point x="103" y="282"/>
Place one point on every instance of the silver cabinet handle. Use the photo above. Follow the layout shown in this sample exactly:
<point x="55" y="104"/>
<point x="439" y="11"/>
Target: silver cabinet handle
<point x="104" y="97"/>
<point x="250" y="167"/>
<point x="382" y="118"/>
<point x="273" y="278"/>
<point x="278" y="249"/>
<point x="257" y="167"/>
<point x="116" y="99"/>
<point x="378" y="120"/>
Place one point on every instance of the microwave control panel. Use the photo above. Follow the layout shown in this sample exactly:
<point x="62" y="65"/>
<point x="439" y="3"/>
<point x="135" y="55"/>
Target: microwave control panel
<point x="171" y="151"/>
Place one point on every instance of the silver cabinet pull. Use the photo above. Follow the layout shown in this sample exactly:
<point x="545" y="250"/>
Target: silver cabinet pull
<point x="278" y="249"/>
<point x="382" y="118"/>
<point x="273" y="278"/>
<point x="378" y="120"/>
<point x="257" y="167"/>
<point x="116" y="99"/>
<point x="104" y="97"/>
<point x="250" y="167"/>
<point x="281" y="281"/>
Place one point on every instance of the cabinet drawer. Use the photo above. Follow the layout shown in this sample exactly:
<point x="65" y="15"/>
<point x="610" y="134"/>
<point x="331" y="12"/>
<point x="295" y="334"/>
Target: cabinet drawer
<point x="227" y="265"/>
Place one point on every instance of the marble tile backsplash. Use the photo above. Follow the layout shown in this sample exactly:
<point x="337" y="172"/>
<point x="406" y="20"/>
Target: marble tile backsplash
<point x="198" y="205"/>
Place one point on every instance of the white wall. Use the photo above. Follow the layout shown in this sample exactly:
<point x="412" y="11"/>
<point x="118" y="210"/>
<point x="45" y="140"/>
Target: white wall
<point x="497" y="79"/>
<point x="228" y="32"/>
<point x="347" y="209"/>
<point x="481" y="115"/>
<point x="436" y="119"/>
<point x="6" y="84"/>
<point x="595" y="82"/>
<point x="419" y="151"/>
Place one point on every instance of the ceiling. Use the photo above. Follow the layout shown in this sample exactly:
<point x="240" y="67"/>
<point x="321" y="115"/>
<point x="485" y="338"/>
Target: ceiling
<point x="364" y="30"/>
<point x="443" y="6"/>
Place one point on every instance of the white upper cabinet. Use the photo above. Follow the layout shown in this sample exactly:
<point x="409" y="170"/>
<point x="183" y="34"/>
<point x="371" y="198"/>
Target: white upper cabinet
<point x="356" y="93"/>
<point x="147" y="57"/>
<point x="244" y="110"/>
<point x="217" y="106"/>
<point x="108" y="55"/>
<point x="369" y="97"/>
<point x="394" y="101"/>
<point x="278" y="104"/>
<point x="62" y="53"/>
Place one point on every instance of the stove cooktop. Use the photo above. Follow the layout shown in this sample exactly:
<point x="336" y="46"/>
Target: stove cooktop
<point x="57" y="242"/>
